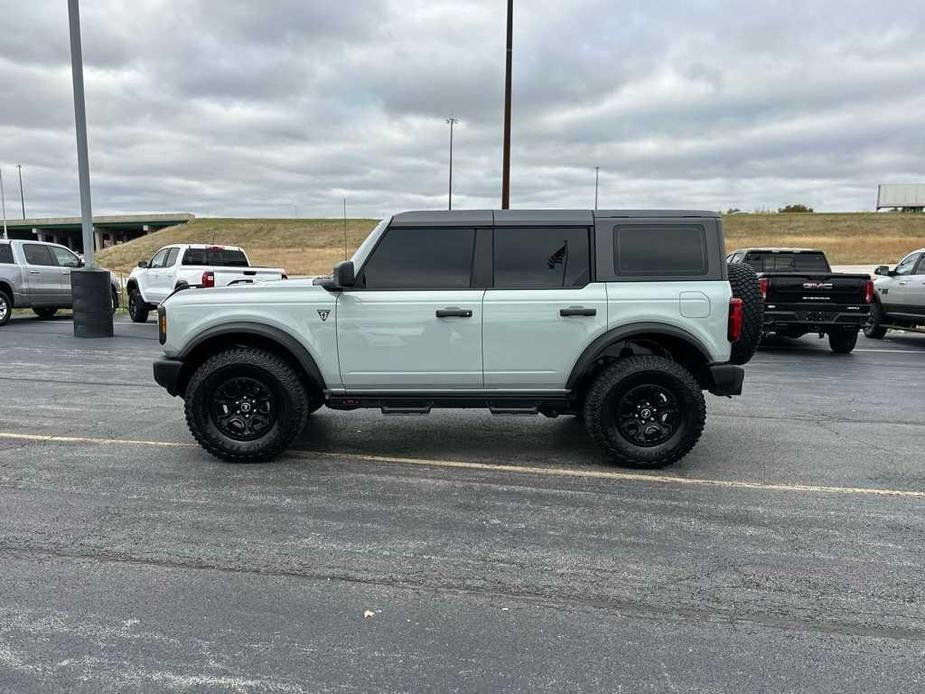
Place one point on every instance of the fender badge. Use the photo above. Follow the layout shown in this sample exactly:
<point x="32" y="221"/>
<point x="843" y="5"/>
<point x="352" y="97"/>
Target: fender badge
<point x="323" y="312"/>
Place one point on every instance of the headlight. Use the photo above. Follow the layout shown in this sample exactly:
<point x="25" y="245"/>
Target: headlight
<point x="161" y="324"/>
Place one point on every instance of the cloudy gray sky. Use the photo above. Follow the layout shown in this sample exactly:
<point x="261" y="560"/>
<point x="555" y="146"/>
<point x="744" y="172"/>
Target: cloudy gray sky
<point x="237" y="107"/>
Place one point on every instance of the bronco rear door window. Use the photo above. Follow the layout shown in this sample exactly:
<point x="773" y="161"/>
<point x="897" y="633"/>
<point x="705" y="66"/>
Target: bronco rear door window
<point x="538" y="258"/>
<point x="660" y="250"/>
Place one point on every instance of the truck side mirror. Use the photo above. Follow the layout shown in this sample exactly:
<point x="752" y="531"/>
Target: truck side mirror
<point x="344" y="274"/>
<point x="882" y="270"/>
<point x="142" y="263"/>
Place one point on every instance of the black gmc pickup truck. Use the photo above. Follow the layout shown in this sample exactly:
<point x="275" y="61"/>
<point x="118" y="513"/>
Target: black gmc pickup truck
<point x="802" y="295"/>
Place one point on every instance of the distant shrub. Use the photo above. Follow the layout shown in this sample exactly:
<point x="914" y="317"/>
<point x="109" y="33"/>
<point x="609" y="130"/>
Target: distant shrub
<point x="733" y="210"/>
<point x="795" y="208"/>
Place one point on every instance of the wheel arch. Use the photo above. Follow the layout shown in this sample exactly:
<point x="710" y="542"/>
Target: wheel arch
<point x="266" y="337"/>
<point x="8" y="290"/>
<point x="641" y="338"/>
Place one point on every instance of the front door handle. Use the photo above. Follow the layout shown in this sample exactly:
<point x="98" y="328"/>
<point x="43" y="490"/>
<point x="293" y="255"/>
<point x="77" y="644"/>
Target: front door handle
<point x="577" y="311"/>
<point x="453" y="312"/>
<point x="35" y="272"/>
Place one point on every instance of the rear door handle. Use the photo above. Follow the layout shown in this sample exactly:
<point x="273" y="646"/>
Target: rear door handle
<point x="453" y="312"/>
<point x="577" y="311"/>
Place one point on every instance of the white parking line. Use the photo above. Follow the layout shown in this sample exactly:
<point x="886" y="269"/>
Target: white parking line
<point x="659" y="478"/>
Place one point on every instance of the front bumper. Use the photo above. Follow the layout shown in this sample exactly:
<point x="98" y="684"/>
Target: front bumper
<point x="167" y="374"/>
<point x="725" y="379"/>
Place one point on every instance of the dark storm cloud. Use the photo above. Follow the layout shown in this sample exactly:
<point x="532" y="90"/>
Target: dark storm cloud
<point x="236" y="107"/>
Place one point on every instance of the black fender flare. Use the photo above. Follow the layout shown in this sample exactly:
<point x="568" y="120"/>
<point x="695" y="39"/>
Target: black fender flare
<point x="267" y="332"/>
<point x="625" y="332"/>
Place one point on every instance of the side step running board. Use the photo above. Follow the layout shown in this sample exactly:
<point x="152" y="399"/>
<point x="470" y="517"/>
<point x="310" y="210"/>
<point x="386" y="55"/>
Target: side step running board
<point x="514" y="410"/>
<point x="404" y="410"/>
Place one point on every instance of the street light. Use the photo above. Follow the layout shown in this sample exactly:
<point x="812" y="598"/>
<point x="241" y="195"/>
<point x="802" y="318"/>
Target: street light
<point x="90" y="286"/>
<point x="22" y="198"/>
<point x="3" y="201"/>
<point x="452" y="123"/>
<point x="506" y="155"/>
<point x="597" y="180"/>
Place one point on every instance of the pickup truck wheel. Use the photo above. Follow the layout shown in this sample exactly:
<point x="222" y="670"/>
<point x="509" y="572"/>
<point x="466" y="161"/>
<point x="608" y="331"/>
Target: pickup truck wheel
<point x="137" y="308"/>
<point x="843" y="342"/>
<point x="744" y="283"/>
<point x="45" y="312"/>
<point x="645" y="411"/>
<point x="6" y="307"/>
<point x="245" y="405"/>
<point x="873" y="328"/>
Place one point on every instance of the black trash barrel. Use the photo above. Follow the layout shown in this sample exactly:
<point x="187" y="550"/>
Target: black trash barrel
<point x="92" y="295"/>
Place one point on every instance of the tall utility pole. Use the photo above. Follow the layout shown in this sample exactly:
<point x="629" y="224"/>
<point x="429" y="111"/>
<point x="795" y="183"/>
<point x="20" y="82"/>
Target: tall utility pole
<point x="452" y="123"/>
<point x="90" y="286"/>
<point x="597" y="180"/>
<point x="22" y="197"/>
<point x="3" y="200"/>
<point x="506" y="163"/>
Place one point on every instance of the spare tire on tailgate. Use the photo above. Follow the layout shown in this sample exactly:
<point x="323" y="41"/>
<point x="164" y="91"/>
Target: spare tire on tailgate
<point x="744" y="284"/>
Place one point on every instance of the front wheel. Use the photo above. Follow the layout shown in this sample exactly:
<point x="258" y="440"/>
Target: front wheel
<point x="137" y="308"/>
<point x="843" y="342"/>
<point x="645" y="411"/>
<point x="245" y="405"/>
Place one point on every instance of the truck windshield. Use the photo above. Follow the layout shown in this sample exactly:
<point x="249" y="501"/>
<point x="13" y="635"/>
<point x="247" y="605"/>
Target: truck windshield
<point x="787" y="262"/>
<point x="227" y="257"/>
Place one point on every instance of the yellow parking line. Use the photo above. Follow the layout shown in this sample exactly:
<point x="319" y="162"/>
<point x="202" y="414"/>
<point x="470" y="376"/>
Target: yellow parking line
<point x="658" y="478"/>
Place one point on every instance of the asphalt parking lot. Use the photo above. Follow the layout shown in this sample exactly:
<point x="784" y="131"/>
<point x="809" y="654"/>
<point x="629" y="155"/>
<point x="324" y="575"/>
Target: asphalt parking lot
<point x="461" y="551"/>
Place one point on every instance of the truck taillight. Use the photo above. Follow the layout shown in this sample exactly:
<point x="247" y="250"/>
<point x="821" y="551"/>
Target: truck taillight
<point x="208" y="279"/>
<point x="763" y="286"/>
<point x="868" y="292"/>
<point x="736" y="308"/>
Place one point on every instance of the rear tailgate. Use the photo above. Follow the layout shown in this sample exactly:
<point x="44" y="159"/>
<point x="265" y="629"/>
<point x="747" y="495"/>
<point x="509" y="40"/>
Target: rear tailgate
<point x="816" y="288"/>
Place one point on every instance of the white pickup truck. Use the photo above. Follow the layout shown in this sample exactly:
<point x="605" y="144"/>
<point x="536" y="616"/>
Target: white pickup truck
<point x="190" y="265"/>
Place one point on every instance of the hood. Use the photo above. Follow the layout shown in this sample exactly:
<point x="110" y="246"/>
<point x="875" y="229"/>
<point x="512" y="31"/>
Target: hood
<point x="280" y="291"/>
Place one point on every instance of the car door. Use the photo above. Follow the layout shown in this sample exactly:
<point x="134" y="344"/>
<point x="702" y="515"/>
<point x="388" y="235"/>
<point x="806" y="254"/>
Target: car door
<point x="42" y="275"/>
<point x="165" y="282"/>
<point x="542" y="309"/>
<point x="414" y="320"/>
<point x="895" y="296"/>
<point x="150" y="279"/>
<point x="67" y="261"/>
<point x="915" y="290"/>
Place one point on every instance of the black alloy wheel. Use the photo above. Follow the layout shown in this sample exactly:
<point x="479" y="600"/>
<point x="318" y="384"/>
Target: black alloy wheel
<point x="648" y="415"/>
<point x="243" y="408"/>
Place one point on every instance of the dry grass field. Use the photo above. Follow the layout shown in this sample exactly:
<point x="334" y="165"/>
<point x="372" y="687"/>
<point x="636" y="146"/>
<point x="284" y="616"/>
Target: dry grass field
<point x="312" y="246"/>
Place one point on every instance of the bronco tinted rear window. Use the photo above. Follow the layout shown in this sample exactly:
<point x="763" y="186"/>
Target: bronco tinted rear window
<point x="6" y="254"/>
<point x="660" y="250"/>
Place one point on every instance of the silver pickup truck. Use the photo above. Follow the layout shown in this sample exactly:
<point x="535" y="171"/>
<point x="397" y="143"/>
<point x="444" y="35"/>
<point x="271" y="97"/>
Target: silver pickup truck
<point x="37" y="275"/>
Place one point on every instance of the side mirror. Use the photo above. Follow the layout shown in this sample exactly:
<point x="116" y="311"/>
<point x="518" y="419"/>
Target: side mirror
<point x="142" y="263"/>
<point x="882" y="270"/>
<point x="80" y="262"/>
<point x="344" y="274"/>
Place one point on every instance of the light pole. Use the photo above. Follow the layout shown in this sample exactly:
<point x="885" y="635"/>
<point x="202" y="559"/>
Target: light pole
<point x="3" y="200"/>
<point x="506" y="155"/>
<point x="452" y="123"/>
<point x="597" y="180"/>
<point x="22" y="197"/>
<point x="90" y="286"/>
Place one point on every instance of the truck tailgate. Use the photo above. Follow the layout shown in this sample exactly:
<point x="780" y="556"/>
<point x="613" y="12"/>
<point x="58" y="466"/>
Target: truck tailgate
<point x="815" y="288"/>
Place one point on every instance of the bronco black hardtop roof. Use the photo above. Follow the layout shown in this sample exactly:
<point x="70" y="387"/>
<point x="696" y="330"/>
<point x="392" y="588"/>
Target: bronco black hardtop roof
<point x="534" y="217"/>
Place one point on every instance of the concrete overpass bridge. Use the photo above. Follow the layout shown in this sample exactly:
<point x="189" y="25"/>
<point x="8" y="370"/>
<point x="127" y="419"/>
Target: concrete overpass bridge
<point x="107" y="230"/>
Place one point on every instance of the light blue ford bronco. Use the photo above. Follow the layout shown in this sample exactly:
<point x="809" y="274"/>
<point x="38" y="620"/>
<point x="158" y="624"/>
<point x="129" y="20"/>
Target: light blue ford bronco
<point x="620" y="317"/>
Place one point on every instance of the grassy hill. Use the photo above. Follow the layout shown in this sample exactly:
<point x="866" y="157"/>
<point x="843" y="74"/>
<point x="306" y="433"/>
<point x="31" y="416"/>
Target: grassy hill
<point x="312" y="246"/>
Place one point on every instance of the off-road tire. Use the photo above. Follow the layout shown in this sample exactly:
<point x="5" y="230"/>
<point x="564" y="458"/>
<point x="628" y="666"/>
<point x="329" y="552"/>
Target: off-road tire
<point x="290" y="404"/>
<point x="6" y="307"/>
<point x="138" y="310"/>
<point x="45" y="312"/>
<point x="843" y="341"/>
<point x="618" y="379"/>
<point x="744" y="283"/>
<point x="873" y="327"/>
<point x="315" y="402"/>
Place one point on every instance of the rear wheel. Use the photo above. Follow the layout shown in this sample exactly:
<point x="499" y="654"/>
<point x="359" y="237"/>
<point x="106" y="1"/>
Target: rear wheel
<point x="873" y="328"/>
<point x="645" y="411"/>
<point x="843" y="342"/>
<point x="45" y="312"/>
<point x="245" y="405"/>
<point x="744" y="283"/>
<point x="137" y="308"/>
<point x="6" y="307"/>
